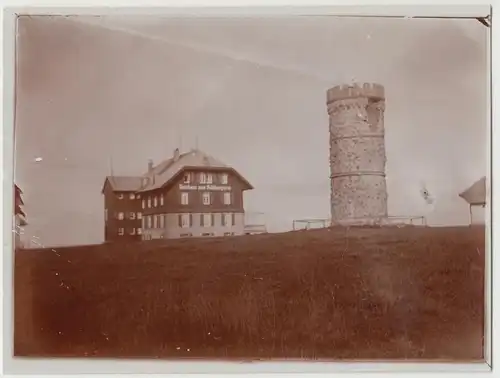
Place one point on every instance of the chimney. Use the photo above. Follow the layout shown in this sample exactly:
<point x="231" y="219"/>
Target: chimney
<point x="176" y="154"/>
<point x="150" y="165"/>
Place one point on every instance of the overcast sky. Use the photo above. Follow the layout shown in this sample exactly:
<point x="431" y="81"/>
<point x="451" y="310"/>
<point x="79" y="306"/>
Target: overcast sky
<point x="253" y="92"/>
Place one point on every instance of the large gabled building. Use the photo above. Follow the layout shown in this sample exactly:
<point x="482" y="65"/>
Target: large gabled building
<point x="190" y="194"/>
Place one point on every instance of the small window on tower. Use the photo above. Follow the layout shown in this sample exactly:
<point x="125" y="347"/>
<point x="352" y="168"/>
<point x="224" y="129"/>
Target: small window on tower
<point x="139" y="215"/>
<point x="209" y="178"/>
<point x="139" y="231"/>
<point x="121" y="231"/>
<point x="224" y="179"/>
<point x="120" y="196"/>
<point x="184" y="198"/>
<point x="155" y="201"/>
<point x="120" y="216"/>
<point x="162" y="200"/>
<point x="143" y="203"/>
<point x="187" y="178"/>
<point x="132" y="196"/>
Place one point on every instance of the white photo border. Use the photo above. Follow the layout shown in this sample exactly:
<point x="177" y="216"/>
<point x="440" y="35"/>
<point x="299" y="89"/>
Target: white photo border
<point x="221" y="8"/>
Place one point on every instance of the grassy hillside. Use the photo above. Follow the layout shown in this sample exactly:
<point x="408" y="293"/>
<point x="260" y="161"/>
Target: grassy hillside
<point x="332" y="294"/>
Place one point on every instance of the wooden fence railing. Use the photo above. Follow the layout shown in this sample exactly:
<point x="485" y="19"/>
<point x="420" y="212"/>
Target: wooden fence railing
<point x="399" y="221"/>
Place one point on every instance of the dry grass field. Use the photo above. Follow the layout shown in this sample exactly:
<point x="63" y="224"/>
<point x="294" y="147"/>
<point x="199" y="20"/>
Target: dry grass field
<point x="358" y="293"/>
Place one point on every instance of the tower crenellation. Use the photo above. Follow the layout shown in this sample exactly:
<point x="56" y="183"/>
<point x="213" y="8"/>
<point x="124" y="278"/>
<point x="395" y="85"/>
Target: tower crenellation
<point x="371" y="91"/>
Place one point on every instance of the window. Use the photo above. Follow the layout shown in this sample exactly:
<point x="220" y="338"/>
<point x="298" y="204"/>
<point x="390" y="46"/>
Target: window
<point x="162" y="199"/>
<point x="184" y="220"/>
<point x="155" y="221"/>
<point x="234" y="219"/>
<point x="203" y="178"/>
<point x="207" y="234"/>
<point x="120" y="196"/>
<point x="138" y="196"/>
<point x="161" y="221"/>
<point x="187" y="178"/>
<point x="131" y="215"/>
<point x="150" y="221"/>
<point x="228" y="219"/>
<point x="120" y="216"/>
<point x="139" y="215"/>
<point x="121" y="231"/>
<point x="186" y="235"/>
<point x="149" y="202"/>
<point x="139" y="231"/>
<point x="132" y="196"/>
<point x="155" y="201"/>
<point x="143" y="223"/>
<point x="206" y="220"/>
<point x="209" y="178"/>
<point x="228" y="233"/>
<point x="227" y="198"/>
<point x="184" y="198"/>
<point x="132" y="231"/>
<point x="105" y="215"/>
<point x="143" y="203"/>
<point x="224" y="179"/>
<point x="206" y="198"/>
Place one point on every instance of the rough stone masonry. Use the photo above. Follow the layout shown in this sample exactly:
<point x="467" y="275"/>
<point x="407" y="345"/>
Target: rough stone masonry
<point x="358" y="192"/>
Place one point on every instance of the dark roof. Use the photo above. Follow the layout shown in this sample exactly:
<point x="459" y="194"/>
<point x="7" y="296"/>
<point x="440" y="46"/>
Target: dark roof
<point x="19" y="211"/>
<point x="123" y="183"/>
<point x="476" y="194"/>
<point x="18" y="202"/>
<point x="164" y="172"/>
<point x="170" y="168"/>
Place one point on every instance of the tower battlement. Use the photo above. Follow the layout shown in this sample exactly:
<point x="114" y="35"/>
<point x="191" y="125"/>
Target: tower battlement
<point x="355" y="90"/>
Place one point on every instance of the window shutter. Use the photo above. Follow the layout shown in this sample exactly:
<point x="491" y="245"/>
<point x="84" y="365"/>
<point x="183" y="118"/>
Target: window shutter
<point x="180" y="220"/>
<point x="190" y="220"/>
<point x="201" y="220"/>
<point x="223" y="219"/>
<point x="213" y="219"/>
<point x="234" y="218"/>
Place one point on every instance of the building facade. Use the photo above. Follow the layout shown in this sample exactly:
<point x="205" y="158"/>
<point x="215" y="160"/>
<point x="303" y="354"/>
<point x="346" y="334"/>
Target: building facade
<point x="122" y="209"/>
<point x="187" y="195"/>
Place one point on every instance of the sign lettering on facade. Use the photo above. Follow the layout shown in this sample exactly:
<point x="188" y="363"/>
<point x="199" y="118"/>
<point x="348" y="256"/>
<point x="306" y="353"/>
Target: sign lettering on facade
<point x="221" y="188"/>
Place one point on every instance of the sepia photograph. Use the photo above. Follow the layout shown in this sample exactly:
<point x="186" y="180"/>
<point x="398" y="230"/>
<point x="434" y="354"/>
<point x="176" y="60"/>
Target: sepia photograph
<point x="249" y="188"/>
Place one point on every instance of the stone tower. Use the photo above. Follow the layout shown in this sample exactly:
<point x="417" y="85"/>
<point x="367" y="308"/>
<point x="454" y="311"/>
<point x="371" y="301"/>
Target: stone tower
<point x="358" y="190"/>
